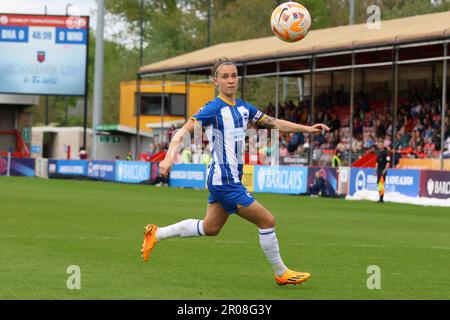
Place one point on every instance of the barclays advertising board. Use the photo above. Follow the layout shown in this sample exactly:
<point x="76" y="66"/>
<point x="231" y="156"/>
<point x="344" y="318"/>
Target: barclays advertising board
<point x="70" y="167"/>
<point x="405" y="182"/>
<point x="132" y="171"/>
<point x="188" y="176"/>
<point x="102" y="170"/>
<point x="281" y="179"/>
<point x="435" y="184"/>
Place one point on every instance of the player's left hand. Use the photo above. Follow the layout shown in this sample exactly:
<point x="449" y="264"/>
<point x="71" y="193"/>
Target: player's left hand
<point x="319" y="128"/>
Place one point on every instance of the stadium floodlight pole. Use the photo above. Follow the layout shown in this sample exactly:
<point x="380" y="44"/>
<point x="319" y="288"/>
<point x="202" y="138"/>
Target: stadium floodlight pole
<point x="141" y="38"/>
<point x="98" y="77"/>
<point x="444" y="102"/>
<point x="208" y="40"/>
<point x="351" y="19"/>
<point x="277" y="90"/>
<point x="394" y="103"/>
<point x="352" y="102"/>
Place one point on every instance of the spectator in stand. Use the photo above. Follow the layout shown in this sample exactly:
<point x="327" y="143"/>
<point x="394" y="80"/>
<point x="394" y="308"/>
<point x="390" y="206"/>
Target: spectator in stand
<point x="296" y="140"/>
<point x="82" y="154"/>
<point x="387" y="141"/>
<point x="170" y="132"/>
<point x="380" y="128"/>
<point x="341" y="147"/>
<point x="427" y="134"/>
<point x="415" y="111"/>
<point x="357" y="127"/>
<point x="335" y="122"/>
<point x="419" y="152"/>
<point x="416" y="140"/>
<point x="336" y="160"/>
<point x="305" y="147"/>
<point x="291" y="116"/>
<point x="152" y="151"/>
<point x="283" y="150"/>
<point x="419" y="125"/>
<point x="334" y="139"/>
<point x="409" y="124"/>
<point x="403" y="139"/>
<point x="369" y="142"/>
<point x="129" y="156"/>
<point x="447" y="148"/>
<point x="447" y="126"/>
<point x="319" y="139"/>
<point x="318" y="187"/>
<point x="357" y="144"/>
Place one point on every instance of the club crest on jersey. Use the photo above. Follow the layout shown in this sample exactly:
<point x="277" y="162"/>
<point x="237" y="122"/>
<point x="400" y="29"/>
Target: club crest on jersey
<point x="245" y="116"/>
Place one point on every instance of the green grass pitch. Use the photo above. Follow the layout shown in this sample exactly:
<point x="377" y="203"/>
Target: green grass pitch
<point x="47" y="225"/>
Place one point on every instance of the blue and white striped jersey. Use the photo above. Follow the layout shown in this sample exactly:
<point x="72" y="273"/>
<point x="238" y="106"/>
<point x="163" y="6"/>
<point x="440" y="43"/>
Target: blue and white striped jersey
<point x="226" y="126"/>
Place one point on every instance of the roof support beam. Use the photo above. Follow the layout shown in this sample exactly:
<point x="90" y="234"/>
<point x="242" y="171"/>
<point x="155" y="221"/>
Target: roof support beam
<point x="312" y="107"/>
<point x="444" y="103"/>
<point x="352" y="102"/>
<point x="394" y="102"/>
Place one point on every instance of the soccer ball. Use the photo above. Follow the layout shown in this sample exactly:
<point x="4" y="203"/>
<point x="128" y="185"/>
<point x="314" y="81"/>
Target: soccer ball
<point x="290" y="21"/>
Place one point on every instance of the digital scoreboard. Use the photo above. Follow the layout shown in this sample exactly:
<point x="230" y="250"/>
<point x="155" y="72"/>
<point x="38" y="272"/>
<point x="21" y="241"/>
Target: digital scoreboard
<point x="43" y="55"/>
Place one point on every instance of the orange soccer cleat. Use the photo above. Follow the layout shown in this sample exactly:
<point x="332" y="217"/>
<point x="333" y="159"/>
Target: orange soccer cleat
<point x="292" y="277"/>
<point x="150" y="241"/>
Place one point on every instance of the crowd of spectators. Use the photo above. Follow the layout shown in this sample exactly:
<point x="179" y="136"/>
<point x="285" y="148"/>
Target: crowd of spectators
<point x="418" y="131"/>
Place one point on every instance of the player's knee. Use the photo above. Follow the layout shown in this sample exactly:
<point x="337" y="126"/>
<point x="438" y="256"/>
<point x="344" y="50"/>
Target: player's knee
<point x="268" y="222"/>
<point x="211" y="230"/>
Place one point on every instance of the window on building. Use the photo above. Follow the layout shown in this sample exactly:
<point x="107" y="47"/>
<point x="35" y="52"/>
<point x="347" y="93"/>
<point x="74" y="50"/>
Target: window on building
<point x="151" y="104"/>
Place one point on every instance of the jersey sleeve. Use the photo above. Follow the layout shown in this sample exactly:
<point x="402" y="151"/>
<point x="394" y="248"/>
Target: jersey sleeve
<point x="206" y="114"/>
<point x="256" y="115"/>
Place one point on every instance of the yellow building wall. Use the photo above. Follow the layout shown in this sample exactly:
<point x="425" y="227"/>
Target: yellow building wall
<point x="198" y="95"/>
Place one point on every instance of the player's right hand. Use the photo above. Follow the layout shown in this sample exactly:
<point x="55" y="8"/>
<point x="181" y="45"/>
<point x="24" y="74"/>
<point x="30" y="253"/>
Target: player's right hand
<point x="164" y="167"/>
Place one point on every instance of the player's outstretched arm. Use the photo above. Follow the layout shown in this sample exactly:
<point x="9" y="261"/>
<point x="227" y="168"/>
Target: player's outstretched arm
<point x="174" y="147"/>
<point x="287" y="126"/>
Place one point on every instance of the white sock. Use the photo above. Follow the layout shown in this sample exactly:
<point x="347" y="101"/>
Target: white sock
<point x="269" y="244"/>
<point x="185" y="228"/>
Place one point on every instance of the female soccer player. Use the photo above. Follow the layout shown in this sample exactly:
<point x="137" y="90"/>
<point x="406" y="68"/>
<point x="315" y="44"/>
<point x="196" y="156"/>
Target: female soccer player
<point x="225" y="119"/>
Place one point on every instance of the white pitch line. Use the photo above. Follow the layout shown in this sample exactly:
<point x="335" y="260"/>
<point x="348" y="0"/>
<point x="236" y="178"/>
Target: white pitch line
<point x="107" y="238"/>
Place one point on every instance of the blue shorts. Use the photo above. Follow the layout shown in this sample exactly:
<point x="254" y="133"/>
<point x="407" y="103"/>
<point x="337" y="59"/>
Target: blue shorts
<point x="230" y="196"/>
